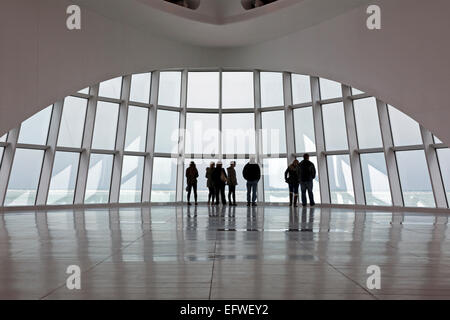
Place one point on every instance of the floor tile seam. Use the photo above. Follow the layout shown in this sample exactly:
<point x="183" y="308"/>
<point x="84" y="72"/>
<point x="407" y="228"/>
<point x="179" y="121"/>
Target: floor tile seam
<point x="95" y="265"/>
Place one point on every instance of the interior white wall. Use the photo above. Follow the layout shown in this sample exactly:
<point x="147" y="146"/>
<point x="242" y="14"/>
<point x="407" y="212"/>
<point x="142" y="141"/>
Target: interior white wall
<point x="405" y="64"/>
<point x="41" y="61"/>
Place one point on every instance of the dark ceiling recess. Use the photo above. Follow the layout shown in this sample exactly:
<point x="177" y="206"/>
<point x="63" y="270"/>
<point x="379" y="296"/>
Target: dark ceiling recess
<point x="252" y="4"/>
<point x="191" y="4"/>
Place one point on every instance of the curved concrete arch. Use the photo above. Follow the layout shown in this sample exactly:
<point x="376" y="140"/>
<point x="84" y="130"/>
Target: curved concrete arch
<point x="405" y="63"/>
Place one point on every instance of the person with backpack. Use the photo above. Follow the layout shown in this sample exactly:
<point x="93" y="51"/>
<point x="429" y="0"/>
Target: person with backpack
<point x="291" y="176"/>
<point x="220" y="179"/>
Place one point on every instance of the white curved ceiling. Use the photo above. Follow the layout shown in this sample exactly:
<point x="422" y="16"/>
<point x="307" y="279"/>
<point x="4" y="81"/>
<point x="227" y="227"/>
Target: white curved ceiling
<point x="220" y="23"/>
<point x="406" y="63"/>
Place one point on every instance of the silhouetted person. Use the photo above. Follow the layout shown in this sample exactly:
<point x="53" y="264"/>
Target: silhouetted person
<point x="252" y="173"/>
<point x="191" y="180"/>
<point x="291" y="176"/>
<point x="210" y="183"/>
<point x="307" y="173"/>
<point x="232" y="183"/>
<point x="220" y="179"/>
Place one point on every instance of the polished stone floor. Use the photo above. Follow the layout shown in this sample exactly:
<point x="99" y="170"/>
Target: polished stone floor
<point x="165" y="252"/>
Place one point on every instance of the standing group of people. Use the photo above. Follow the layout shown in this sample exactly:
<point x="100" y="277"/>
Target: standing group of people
<point x="300" y="174"/>
<point x="217" y="178"/>
<point x="297" y="174"/>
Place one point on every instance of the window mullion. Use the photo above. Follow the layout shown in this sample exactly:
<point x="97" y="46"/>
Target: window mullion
<point x="49" y="156"/>
<point x="120" y="140"/>
<point x="358" y="186"/>
<point x="182" y="138"/>
<point x="433" y="168"/>
<point x="150" y="146"/>
<point x="320" y="142"/>
<point x="6" y="165"/>
<point x="83" y="168"/>
<point x="391" y="162"/>
<point x="258" y="131"/>
<point x="289" y="117"/>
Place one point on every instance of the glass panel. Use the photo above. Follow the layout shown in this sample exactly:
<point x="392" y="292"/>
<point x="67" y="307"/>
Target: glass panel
<point x="84" y="91"/>
<point x="136" y="136"/>
<point x="34" y="130"/>
<point x="238" y="133"/>
<point x="167" y="132"/>
<point x="24" y="179"/>
<point x="376" y="181"/>
<point x="3" y="138"/>
<point x="340" y="178"/>
<point x="72" y="122"/>
<point x="202" y="133"/>
<point x="301" y="89"/>
<point x="275" y="188"/>
<point x="414" y="178"/>
<point x="367" y="123"/>
<point x="64" y="178"/>
<point x="99" y="178"/>
<point x="316" y="185"/>
<point x="356" y="91"/>
<point x="444" y="163"/>
<point x="105" y="126"/>
<point x="169" y="92"/>
<point x="330" y="89"/>
<point x="237" y="90"/>
<point x="164" y="180"/>
<point x="111" y="88"/>
<point x="140" y="87"/>
<point x="273" y="132"/>
<point x="437" y="140"/>
<point x="131" y="182"/>
<point x="304" y="130"/>
<point x="203" y="90"/>
<point x="271" y="89"/>
<point x="405" y="130"/>
<point x="334" y="126"/>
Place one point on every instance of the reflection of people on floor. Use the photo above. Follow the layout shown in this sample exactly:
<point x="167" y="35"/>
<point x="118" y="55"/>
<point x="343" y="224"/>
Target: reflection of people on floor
<point x="191" y="219"/>
<point x="252" y="220"/>
<point x="307" y="225"/>
<point x="293" y="219"/>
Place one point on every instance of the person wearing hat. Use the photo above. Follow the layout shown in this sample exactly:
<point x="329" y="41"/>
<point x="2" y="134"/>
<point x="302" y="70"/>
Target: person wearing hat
<point x="232" y="183"/>
<point x="220" y="179"/>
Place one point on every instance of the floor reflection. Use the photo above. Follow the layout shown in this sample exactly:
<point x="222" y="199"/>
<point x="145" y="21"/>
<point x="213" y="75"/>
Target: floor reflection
<point x="264" y="252"/>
